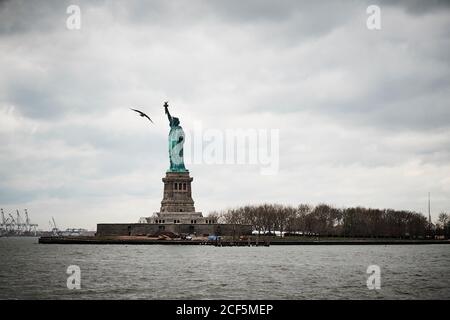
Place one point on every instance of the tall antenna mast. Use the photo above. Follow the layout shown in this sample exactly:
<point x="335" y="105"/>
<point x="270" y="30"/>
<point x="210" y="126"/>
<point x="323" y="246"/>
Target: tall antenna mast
<point x="429" y="209"/>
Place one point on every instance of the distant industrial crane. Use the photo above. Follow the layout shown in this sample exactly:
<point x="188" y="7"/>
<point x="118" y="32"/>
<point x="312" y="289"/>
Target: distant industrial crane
<point x="54" y="228"/>
<point x="12" y="222"/>
<point x="19" y="224"/>
<point x="5" y="223"/>
<point x="30" y="227"/>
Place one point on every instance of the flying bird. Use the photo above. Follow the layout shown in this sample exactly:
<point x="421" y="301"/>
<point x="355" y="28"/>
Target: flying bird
<point x="142" y="114"/>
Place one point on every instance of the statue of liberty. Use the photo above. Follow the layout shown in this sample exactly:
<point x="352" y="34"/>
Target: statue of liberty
<point x="176" y="141"/>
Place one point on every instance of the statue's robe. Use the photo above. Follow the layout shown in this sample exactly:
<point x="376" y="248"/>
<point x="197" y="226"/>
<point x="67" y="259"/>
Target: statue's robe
<point x="176" y="141"/>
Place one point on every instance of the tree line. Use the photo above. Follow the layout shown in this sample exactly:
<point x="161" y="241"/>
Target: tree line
<point x="326" y="220"/>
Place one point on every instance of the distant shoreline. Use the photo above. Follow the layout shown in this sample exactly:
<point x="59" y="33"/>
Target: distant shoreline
<point x="146" y="241"/>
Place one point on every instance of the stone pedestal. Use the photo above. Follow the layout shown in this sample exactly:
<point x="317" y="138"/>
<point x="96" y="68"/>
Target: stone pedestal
<point x="177" y="193"/>
<point x="177" y="206"/>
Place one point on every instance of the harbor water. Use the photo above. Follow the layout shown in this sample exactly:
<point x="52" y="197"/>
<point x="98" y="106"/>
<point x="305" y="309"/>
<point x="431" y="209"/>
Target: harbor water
<point x="29" y="270"/>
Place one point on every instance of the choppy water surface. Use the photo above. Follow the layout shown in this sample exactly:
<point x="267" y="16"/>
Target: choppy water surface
<point x="29" y="270"/>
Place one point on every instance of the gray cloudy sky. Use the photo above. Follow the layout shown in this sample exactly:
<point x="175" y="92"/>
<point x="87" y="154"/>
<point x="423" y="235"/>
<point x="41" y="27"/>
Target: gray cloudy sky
<point x="364" y="116"/>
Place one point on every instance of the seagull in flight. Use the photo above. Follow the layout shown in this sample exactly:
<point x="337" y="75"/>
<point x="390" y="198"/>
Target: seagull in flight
<point x="142" y="114"/>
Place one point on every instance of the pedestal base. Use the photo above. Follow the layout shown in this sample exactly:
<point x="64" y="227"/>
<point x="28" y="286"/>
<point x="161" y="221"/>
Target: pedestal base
<point x="177" y="217"/>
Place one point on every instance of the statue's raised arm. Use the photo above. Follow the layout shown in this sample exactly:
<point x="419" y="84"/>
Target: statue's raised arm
<point x="166" y="106"/>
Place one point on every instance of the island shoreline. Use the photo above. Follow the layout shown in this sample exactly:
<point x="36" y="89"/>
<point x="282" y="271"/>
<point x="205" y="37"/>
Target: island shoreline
<point x="241" y="243"/>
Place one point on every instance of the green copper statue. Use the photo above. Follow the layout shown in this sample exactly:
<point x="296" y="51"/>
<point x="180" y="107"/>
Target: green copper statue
<point x="176" y="141"/>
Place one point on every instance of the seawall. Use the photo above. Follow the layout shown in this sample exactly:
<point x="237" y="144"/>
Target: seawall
<point x="146" y="241"/>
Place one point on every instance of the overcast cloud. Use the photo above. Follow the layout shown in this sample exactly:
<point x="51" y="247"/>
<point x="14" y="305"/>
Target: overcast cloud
<point x="364" y="116"/>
